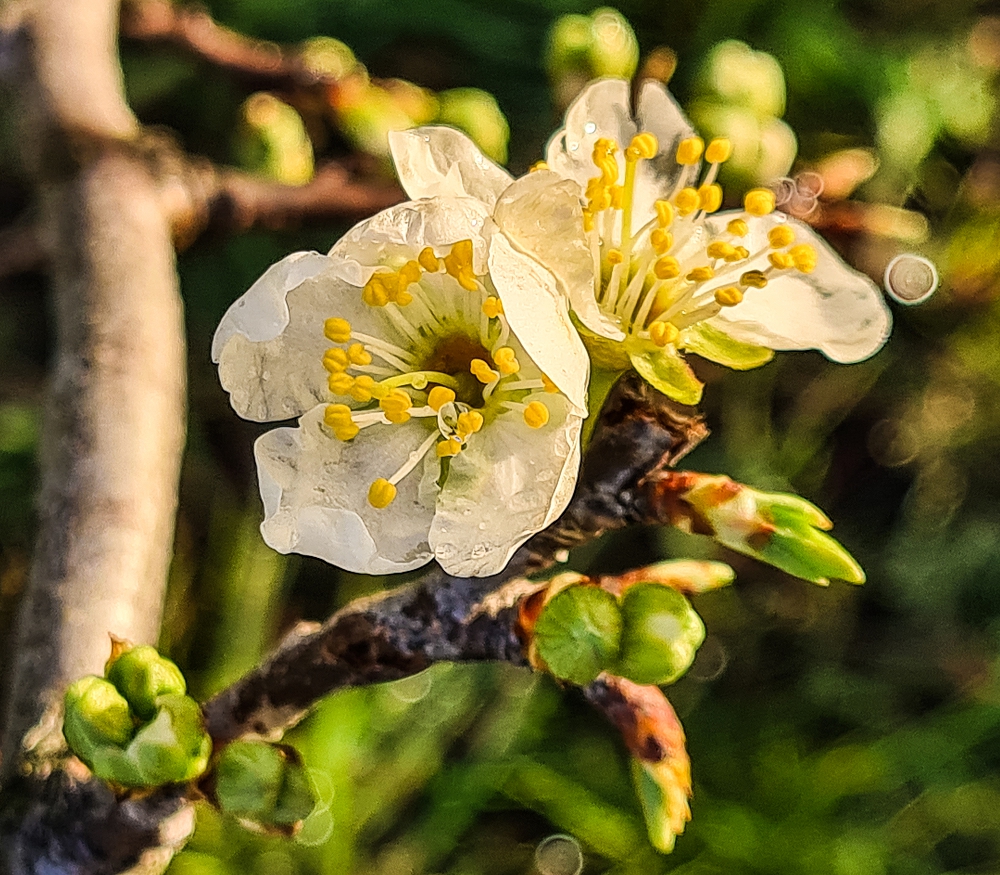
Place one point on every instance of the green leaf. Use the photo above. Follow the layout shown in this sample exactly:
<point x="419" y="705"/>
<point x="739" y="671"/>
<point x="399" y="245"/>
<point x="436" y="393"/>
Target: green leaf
<point x="812" y="555"/>
<point x="669" y="373"/>
<point x="715" y="345"/>
<point x="578" y="633"/>
<point x="661" y="633"/>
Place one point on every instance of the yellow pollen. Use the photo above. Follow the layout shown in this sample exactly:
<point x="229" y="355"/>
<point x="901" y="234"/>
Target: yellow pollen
<point x="363" y="389"/>
<point x="804" y="257"/>
<point x="469" y="422"/>
<point x="358" y="355"/>
<point x="409" y="273"/>
<point x="710" y="197"/>
<point x="667" y="268"/>
<point x="395" y="406"/>
<point x="458" y="263"/>
<point x="701" y="274"/>
<point x="604" y="157"/>
<point x="536" y="414"/>
<point x="664" y="213"/>
<point x="380" y="289"/>
<point x="661" y="241"/>
<point x="689" y="150"/>
<point x="439" y="396"/>
<point x="730" y="296"/>
<point x="719" y="249"/>
<point x="588" y="220"/>
<point x="538" y="165"/>
<point x="448" y="447"/>
<point x="506" y="361"/>
<point x="759" y="201"/>
<point x="338" y="418"/>
<point x="428" y="260"/>
<point x="615" y="256"/>
<point x="719" y="150"/>
<point x="340" y="383"/>
<point x="644" y="145"/>
<point x="754" y="279"/>
<point x="346" y="432"/>
<point x="381" y="493"/>
<point x="738" y="228"/>
<point x="338" y="330"/>
<point x="336" y="360"/>
<point x="397" y="417"/>
<point x="781" y="260"/>
<point x="662" y="333"/>
<point x="549" y="386"/>
<point x="492" y="307"/>
<point x="482" y="371"/>
<point x="738" y="253"/>
<point x="780" y="236"/>
<point x="688" y="200"/>
<point x="403" y="297"/>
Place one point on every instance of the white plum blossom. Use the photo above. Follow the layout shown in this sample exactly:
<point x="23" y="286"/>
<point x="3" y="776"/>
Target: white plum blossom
<point x="429" y="428"/>
<point x="653" y="270"/>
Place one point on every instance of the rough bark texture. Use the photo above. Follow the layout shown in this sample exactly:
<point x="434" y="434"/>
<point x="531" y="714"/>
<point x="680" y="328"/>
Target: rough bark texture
<point x="115" y="416"/>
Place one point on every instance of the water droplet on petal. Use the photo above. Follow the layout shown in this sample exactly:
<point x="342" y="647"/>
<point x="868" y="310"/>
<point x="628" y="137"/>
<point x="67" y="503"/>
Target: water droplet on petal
<point x="559" y="855"/>
<point x="573" y="147"/>
<point x="911" y="279"/>
<point x="589" y="128"/>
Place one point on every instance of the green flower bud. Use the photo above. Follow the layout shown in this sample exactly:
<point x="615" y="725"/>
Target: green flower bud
<point x="173" y="747"/>
<point x="660" y="635"/>
<point x="326" y="56"/>
<point x="142" y="676"/>
<point x="614" y="50"/>
<point x="264" y="783"/>
<point x="272" y="140"/>
<point x="96" y="716"/>
<point x="478" y="114"/>
<point x="578" y="633"/>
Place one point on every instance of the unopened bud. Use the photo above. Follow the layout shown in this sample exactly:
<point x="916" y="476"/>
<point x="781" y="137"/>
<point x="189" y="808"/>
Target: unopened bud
<point x="264" y="783"/>
<point x="660" y="635"/>
<point x="142" y="675"/>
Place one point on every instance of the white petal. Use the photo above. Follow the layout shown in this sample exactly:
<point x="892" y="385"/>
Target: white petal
<point x="835" y="309"/>
<point x="400" y="232"/>
<point x="438" y="161"/>
<point x="600" y="110"/>
<point x="315" y="493"/>
<point x="511" y="482"/>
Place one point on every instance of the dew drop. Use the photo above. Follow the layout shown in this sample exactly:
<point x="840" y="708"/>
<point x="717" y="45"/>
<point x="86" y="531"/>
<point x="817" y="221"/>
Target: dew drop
<point x="910" y="279"/>
<point x="589" y="128"/>
<point x="573" y="147"/>
<point x="559" y="855"/>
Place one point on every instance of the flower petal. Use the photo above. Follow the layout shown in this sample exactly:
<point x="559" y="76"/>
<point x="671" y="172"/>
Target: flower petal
<point x="509" y="483"/>
<point x="438" y="161"/>
<point x="667" y="371"/>
<point x="315" y="493"/>
<point x="539" y="318"/>
<point x="542" y="215"/>
<point x="834" y="309"/>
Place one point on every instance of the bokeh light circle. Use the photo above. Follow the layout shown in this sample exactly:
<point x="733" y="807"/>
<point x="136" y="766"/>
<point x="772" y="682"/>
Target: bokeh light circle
<point x="559" y="855"/>
<point x="910" y="279"/>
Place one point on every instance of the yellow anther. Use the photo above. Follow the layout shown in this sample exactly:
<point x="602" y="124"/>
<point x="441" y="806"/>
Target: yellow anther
<point x="644" y="145"/>
<point x="738" y="253"/>
<point x="538" y="165"/>
<point x="458" y="263"/>
<point x="397" y="399"/>
<point x="506" y="361"/>
<point x="617" y="193"/>
<point x="337" y="415"/>
<point x="403" y="297"/>
<point x="664" y="213"/>
<point x="409" y="273"/>
<point x="781" y="260"/>
<point x="588" y="220"/>
<point x="549" y="386"/>
<point x="492" y="307"/>
<point x="804" y="256"/>
<point x="536" y="414"/>
<point x="719" y="249"/>
<point x="661" y="241"/>
<point x="428" y="260"/>
<point x="338" y="330"/>
<point x="363" y="389"/>
<point x="381" y="493"/>
<point x="738" y="228"/>
<point x="358" y="355"/>
<point x="730" y="296"/>
<point x="604" y="158"/>
<point x="469" y="422"/>
<point x="701" y="274"/>
<point x="688" y="200"/>
<point x="380" y="289"/>
<point x="759" y="201"/>
<point x="662" y="333"/>
<point x="719" y="150"/>
<point x="340" y="383"/>
<point x="482" y="371"/>
<point x="754" y="279"/>
<point x="346" y="432"/>
<point x="780" y="236"/>
<point x="667" y="268"/>
<point x="397" y="417"/>
<point x="689" y="150"/>
<point x="439" y="396"/>
<point x="710" y="197"/>
<point x="615" y="256"/>
<point x="336" y="360"/>
<point x="448" y="447"/>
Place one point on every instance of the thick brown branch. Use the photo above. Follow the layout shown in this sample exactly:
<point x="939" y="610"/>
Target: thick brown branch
<point x="21" y="250"/>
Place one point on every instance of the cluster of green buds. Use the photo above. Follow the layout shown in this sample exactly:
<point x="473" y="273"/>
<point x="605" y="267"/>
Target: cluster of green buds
<point x="135" y="726"/>
<point x="640" y="627"/>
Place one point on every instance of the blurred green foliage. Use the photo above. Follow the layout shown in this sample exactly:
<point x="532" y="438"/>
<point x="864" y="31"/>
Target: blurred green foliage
<point x="851" y="731"/>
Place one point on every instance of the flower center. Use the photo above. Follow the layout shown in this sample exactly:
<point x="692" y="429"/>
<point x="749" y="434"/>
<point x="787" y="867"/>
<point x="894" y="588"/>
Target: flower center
<point x="445" y="355"/>
<point x="656" y="279"/>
